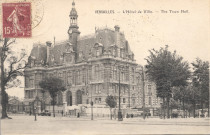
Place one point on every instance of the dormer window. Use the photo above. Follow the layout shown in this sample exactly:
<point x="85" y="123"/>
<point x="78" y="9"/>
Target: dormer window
<point x="115" y="51"/>
<point x="61" y="58"/>
<point x="97" y="52"/>
<point x="52" y="59"/>
<point x="122" y="52"/>
<point x="32" y="63"/>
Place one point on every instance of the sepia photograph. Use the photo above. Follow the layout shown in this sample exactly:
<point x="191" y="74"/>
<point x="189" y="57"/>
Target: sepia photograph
<point x="77" y="67"/>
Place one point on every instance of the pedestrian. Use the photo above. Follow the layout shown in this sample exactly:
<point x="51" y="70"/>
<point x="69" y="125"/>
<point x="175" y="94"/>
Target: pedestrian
<point x="62" y="113"/>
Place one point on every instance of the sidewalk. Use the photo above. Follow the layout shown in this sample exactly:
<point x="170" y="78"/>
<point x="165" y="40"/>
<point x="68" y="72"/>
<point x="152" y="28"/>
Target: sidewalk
<point x="147" y="121"/>
<point x="83" y="125"/>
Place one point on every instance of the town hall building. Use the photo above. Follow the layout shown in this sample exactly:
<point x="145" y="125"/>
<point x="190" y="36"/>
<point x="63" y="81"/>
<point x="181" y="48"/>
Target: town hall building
<point x="92" y="67"/>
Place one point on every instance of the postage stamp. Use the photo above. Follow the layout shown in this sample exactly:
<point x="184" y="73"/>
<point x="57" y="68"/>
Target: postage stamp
<point x="16" y="20"/>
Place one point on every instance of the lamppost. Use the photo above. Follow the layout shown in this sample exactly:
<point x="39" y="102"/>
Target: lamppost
<point x="91" y="102"/>
<point x="119" y="110"/>
<point x="36" y="104"/>
<point x="143" y="80"/>
<point x="35" y="112"/>
<point x="91" y="107"/>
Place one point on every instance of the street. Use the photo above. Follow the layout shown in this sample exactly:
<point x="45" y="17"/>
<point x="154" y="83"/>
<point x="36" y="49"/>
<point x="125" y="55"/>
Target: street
<point x="22" y="125"/>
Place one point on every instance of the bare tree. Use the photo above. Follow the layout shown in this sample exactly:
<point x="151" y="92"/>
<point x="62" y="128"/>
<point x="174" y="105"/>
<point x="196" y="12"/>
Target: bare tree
<point x="12" y="66"/>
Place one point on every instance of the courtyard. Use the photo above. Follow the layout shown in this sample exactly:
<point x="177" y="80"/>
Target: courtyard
<point x="45" y="125"/>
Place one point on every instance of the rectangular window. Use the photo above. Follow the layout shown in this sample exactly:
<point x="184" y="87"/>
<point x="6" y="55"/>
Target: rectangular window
<point x="27" y="82"/>
<point x="99" y="100"/>
<point x="96" y="100"/>
<point x="97" y="72"/>
<point x="124" y="100"/>
<point x="89" y="74"/>
<point x="127" y="74"/>
<point x="115" y="73"/>
<point x="27" y="94"/>
<point x="31" y="82"/>
<point x="69" y="78"/>
<point x="31" y="94"/>
<point x="96" y="89"/>
<point x="112" y="72"/>
<point x="116" y="88"/>
<point x="133" y="101"/>
<point x="73" y="77"/>
<point x="99" y="88"/>
<point x="150" y="101"/>
<point x="83" y="76"/>
<point x="60" y="75"/>
<point x="79" y="78"/>
<point x="149" y="90"/>
<point x="133" y="79"/>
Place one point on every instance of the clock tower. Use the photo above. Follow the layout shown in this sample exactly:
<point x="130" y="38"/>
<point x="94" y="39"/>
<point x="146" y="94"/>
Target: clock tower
<point x="73" y="30"/>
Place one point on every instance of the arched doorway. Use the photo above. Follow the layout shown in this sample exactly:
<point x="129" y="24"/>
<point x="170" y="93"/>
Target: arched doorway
<point x="69" y="98"/>
<point x="79" y="97"/>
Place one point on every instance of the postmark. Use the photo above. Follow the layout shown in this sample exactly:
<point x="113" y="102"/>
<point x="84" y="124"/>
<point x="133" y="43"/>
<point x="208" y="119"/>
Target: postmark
<point x="37" y="12"/>
<point x="16" y="20"/>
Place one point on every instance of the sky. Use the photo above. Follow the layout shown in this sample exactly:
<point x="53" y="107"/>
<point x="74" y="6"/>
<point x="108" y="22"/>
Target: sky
<point x="187" y="33"/>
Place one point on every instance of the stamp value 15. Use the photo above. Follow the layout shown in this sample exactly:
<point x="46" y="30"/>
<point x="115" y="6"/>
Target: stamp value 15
<point x="16" y="20"/>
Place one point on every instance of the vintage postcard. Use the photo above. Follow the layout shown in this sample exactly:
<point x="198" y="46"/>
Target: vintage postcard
<point x="104" y="67"/>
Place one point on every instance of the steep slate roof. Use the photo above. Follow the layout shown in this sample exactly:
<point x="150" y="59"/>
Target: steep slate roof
<point x="105" y="37"/>
<point x="39" y="52"/>
<point x="57" y="51"/>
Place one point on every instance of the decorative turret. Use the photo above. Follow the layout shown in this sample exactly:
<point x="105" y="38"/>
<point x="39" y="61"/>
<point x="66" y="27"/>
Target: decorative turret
<point x="73" y="15"/>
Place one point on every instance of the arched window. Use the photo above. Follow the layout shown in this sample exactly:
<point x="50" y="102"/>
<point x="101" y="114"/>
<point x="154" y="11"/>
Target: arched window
<point x="79" y="97"/>
<point x="69" y="98"/>
<point x="69" y="78"/>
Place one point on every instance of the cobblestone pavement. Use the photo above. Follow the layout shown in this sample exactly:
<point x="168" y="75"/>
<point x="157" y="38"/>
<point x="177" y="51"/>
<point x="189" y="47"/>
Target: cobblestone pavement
<point x="21" y="125"/>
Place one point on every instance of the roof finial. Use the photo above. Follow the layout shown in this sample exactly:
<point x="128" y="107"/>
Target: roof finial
<point x="73" y="3"/>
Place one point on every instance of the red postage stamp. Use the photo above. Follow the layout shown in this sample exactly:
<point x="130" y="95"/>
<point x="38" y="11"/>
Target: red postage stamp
<point x="16" y="20"/>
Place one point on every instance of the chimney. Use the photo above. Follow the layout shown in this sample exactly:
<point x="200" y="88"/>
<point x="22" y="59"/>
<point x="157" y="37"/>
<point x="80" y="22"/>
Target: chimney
<point x="117" y="39"/>
<point x="117" y="28"/>
<point x="49" y="44"/>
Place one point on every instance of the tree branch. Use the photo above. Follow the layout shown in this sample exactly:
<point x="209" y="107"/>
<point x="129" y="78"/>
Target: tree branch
<point x="7" y="45"/>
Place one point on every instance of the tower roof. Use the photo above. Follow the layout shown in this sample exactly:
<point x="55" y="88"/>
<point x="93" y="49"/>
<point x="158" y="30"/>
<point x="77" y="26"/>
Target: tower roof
<point x="73" y="10"/>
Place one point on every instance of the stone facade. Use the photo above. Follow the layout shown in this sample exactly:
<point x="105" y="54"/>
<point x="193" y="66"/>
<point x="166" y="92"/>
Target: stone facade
<point x="91" y="67"/>
<point x="151" y="99"/>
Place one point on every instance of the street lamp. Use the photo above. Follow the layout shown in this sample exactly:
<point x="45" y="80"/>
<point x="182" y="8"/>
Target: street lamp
<point x="120" y="118"/>
<point x="91" y="102"/>
<point x="36" y="104"/>
<point x="143" y="80"/>
<point x="35" y="112"/>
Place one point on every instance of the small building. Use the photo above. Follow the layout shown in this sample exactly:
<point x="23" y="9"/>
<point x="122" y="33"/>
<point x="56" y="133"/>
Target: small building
<point x="15" y="105"/>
